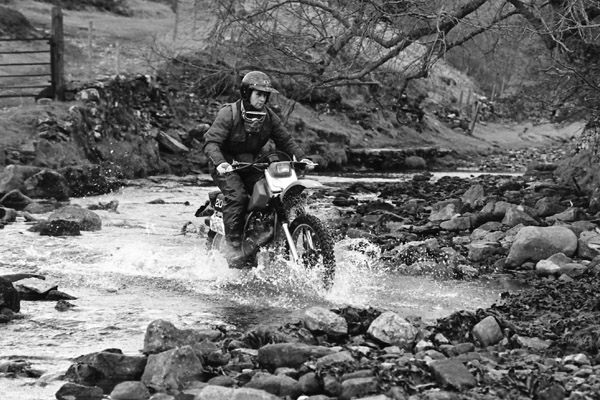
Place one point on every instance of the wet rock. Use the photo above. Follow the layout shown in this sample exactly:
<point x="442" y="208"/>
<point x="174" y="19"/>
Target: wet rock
<point x="174" y="369"/>
<point x="106" y="369"/>
<point x="57" y="227"/>
<point x="320" y="320"/>
<point x="538" y="243"/>
<point x="162" y="335"/>
<point x="15" y="199"/>
<point x="47" y="184"/>
<point x="72" y="391"/>
<point x="392" y="329"/>
<point x="34" y="289"/>
<point x="488" y="332"/>
<point x="131" y="390"/>
<point x="291" y="355"/>
<point x="9" y="296"/>
<point x="452" y="374"/>
<point x="87" y="220"/>
<point x="7" y="215"/>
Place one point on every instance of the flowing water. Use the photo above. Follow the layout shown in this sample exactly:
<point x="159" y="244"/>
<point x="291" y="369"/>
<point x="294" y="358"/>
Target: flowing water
<point x="140" y="267"/>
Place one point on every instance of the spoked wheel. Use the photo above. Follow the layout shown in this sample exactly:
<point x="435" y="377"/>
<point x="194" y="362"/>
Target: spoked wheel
<point x="314" y="245"/>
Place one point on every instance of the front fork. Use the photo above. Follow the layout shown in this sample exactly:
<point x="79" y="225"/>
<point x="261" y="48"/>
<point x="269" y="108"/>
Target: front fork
<point x="288" y="236"/>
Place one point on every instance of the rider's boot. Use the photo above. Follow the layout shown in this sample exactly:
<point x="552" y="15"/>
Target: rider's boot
<point x="234" y="254"/>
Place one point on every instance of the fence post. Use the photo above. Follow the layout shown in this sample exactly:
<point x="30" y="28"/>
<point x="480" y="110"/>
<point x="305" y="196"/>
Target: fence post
<point x="57" y="52"/>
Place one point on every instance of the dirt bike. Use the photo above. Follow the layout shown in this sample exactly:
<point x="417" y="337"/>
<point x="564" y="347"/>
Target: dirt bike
<point x="276" y="219"/>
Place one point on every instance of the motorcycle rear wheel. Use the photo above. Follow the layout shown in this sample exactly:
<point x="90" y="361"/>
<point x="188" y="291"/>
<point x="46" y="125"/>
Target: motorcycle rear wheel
<point x="314" y="245"/>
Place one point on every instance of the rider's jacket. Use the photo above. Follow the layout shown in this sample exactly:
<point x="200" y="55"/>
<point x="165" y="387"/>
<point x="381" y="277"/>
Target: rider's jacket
<point x="227" y="139"/>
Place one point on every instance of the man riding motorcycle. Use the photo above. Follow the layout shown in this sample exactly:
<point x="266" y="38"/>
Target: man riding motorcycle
<point x="238" y="133"/>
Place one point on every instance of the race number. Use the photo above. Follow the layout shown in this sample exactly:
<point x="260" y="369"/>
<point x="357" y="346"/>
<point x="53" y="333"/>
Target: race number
<point x="216" y="223"/>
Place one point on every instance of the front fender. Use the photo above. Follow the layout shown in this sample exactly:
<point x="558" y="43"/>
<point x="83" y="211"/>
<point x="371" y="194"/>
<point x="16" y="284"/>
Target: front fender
<point x="294" y="189"/>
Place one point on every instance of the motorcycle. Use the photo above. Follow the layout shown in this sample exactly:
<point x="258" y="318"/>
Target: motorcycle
<point x="276" y="219"/>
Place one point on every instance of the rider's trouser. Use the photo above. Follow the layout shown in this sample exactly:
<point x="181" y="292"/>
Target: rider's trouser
<point x="236" y="187"/>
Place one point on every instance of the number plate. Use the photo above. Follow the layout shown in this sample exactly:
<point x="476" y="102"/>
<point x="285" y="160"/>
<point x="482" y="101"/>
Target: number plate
<point x="216" y="223"/>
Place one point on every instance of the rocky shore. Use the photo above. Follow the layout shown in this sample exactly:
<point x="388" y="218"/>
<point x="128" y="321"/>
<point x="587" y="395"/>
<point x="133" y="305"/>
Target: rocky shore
<point x="541" y="342"/>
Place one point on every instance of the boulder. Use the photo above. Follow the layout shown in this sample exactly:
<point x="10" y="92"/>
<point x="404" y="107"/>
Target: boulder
<point x="15" y="199"/>
<point x="322" y="320"/>
<point x="9" y="296"/>
<point x="87" y="220"/>
<point x="487" y="331"/>
<point x="13" y="177"/>
<point x="106" y="369"/>
<point x="172" y="370"/>
<point x="279" y="385"/>
<point x="517" y="215"/>
<point x="162" y="335"/>
<point x="47" y="184"/>
<point x="538" y="243"/>
<point x="72" y="391"/>
<point x="392" y="329"/>
<point x="588" y="245"/>
<point x="452" y="374"/>
<point x="291" y="355"/>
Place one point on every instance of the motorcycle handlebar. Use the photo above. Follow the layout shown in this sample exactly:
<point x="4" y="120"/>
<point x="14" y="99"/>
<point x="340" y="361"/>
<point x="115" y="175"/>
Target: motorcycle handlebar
<point x="240" y="165"/>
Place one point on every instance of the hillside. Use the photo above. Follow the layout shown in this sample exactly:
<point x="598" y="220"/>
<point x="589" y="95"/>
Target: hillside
<point x="138" y="42"/>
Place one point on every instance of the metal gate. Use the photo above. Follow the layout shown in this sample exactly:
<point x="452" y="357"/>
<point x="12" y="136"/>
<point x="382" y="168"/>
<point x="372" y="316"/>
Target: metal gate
<point x="22" y="70"/>
<point x="23" y="65"/>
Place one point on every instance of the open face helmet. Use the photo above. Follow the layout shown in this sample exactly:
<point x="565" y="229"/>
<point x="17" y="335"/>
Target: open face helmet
<point x="256" y="80"/>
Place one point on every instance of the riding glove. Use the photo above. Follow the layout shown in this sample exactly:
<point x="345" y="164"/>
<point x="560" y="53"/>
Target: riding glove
<point x="310" y="165"/>
<point x="224" y="168"/>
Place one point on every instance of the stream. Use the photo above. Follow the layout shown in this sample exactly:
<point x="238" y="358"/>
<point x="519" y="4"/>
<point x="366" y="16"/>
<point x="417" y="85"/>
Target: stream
<point x="140" y="267"/>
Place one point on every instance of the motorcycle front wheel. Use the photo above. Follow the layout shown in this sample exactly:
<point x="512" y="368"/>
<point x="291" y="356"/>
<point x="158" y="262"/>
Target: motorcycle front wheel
<point x="314" y="245"/>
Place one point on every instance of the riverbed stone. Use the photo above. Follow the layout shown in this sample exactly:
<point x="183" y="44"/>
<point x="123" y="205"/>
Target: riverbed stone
<point x="87" y="220"/>
<point x="588" y="245"/>
<point x="279" y="385"/>
<point x="538" y="243"/>
<point x="174" y="369"/>
<point x="293" y="355"/>
<point x="106" y="369"/>
<point x="358" y="388"/>
<point x="47" y="184"/>
<point x="16" y="200"/>
<point x="321" y="320"/>
<point x="9" y="296"/>
<point x="162" y="335"/>
<point x="392" y="329"/>
<point x="223" y="393"/>
<point x="474" y="196"/>
<point x="488" y="331"/>
<point x="517" y="215"/>
<point x="73" y="391"/>
<point x="130" y="390"/>
<point x="12" y="178"/>
<point x="452" y="374"/>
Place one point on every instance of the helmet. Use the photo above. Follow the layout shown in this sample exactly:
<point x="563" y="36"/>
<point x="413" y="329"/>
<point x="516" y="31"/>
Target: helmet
<point x="256" y="80"/>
